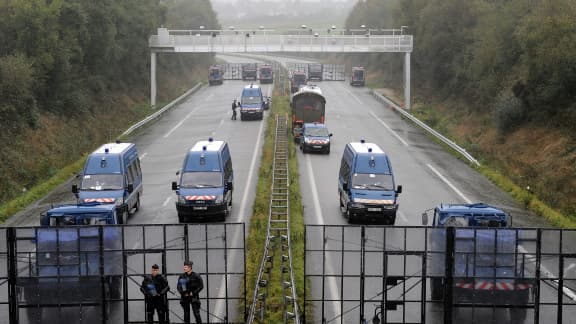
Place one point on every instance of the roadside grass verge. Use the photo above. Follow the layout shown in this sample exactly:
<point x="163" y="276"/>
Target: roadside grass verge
<point x="522" y="195"/>
<point x="259" y="224"/>
<point x="10" y="208"/>
<point x="13" y="206"/>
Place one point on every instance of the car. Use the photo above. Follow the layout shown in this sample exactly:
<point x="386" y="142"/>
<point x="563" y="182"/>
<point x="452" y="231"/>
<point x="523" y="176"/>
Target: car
<point x="315" y="137"/>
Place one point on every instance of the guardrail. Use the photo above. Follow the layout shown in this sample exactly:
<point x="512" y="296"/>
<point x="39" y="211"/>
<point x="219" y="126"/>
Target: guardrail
<point x="441" y="137"/>
<point x="161" y="111"/>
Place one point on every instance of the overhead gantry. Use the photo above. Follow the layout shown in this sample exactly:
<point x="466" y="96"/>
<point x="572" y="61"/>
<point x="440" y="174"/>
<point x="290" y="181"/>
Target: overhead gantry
<point x="274" y="41"/>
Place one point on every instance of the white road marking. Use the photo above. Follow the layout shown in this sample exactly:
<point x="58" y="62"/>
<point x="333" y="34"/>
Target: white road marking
<point x="353" y="95"/>
<point x="333" y="287"/>
<point x="389" y="128"/>
<point x="218" y="307"/>
<point x="181" y="122"/>
<point x="250" y="174"/>
<point x="143" y="155"/>
<point x="458" y="192"/>
<point x="165" y="203"/>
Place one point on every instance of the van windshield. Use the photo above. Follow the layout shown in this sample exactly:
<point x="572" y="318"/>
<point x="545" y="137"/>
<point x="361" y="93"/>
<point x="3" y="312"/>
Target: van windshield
<point x="102" y="182"/>
<point x="251" y="100"/>
<point x="371" y="181"/>
<point x="316" y="131"/>
<point x="201" y="180"/>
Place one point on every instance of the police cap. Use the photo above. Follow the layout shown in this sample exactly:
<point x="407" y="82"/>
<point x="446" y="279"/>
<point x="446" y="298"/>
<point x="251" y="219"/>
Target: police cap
<point x="155" y="266"/>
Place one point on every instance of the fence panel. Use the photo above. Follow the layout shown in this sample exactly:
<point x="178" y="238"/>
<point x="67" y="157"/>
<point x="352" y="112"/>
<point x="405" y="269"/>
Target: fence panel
<point x="92" y="274"/>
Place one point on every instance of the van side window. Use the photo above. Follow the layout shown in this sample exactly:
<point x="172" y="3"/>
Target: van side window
<point x="228" y="167"/>
<point x="344" y="170"/>
<point x="130" y="173"/>
<point x="138" y="170"/>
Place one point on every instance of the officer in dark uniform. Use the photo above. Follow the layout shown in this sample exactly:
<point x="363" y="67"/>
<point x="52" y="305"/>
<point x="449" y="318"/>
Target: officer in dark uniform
<point x="189" y="286"/>
<point x="154" y="287"/>
<point x="234" y="106"/>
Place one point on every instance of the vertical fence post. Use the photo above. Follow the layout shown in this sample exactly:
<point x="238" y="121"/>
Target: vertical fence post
<point x="538" y="274"/>
<point x="362" y="269"/>
<point x="449" y="266"/>
<point x="103" y="297"/>
<point x="12" y="271"/>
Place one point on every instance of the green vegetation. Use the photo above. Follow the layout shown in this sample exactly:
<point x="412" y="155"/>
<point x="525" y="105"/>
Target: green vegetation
<point x="259" y="222"/>
<point x="496" y="76"/>
<point x="75" y="74"/>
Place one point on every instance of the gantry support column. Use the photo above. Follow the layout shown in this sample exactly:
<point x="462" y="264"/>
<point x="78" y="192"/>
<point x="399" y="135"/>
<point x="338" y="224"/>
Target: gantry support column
<point x="407" y="81"/>
<point x="153" y="79"/>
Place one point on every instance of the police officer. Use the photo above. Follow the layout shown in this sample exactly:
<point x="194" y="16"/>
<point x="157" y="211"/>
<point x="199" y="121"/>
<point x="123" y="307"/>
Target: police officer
<point x="189" y="286"/>
<point x="234" y="106"/>
<point x="154" y="287"/>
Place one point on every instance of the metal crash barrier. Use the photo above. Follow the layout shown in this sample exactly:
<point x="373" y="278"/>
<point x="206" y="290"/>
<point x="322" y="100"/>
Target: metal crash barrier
<point x="378" y="274"/>
<point x="93" y="274"/>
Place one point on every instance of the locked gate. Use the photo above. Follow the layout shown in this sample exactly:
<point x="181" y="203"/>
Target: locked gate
<point x="93" y="274"/>
<point x="378" y="274"/>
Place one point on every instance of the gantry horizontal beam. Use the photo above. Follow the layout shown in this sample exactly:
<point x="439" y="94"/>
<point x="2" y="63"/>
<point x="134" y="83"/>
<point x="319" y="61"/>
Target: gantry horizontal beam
<point x="262" y="42"/>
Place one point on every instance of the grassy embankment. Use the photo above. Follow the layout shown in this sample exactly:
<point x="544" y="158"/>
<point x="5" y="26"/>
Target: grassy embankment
<point x="445" y="123"/>
<point x="259" y="222"/>
<point x="9" y="208"/>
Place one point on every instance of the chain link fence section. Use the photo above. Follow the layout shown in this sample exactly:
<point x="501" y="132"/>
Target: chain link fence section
<point x="92" y="274"/>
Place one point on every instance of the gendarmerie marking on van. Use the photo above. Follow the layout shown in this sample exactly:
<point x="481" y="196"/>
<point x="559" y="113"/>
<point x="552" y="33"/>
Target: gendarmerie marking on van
<point x="112" y="175"/>
<point x="204" y="189"/>
<point x="366" y="184"/>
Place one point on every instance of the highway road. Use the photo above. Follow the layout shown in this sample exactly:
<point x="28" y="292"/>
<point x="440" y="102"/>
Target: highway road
<point x="428" y="174"/>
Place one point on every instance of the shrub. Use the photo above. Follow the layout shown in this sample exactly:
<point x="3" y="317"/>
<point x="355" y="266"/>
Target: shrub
<point x="508" y="112"/>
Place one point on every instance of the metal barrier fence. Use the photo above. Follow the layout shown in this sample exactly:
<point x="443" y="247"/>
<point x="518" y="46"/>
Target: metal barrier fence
<point x="233" y="71"/>
<point x="330" y="72"/>
<point x="378" y="274"/>
<point x="93" y="274"/>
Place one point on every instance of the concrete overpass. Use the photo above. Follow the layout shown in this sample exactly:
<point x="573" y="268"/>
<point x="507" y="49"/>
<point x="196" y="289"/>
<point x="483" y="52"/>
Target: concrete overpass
<point x="270" y="42"/>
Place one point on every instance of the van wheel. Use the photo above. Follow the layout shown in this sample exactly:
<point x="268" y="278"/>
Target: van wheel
<point x="137" y="207"/>
<point x="328" y="150"/>
<point x="123" y="218"/>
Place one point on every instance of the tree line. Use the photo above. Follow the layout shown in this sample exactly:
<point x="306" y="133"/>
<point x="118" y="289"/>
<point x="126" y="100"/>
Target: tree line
<point x="510" y="65"/>
<point x="75" y="72"/>
<point x="515" y="59"/>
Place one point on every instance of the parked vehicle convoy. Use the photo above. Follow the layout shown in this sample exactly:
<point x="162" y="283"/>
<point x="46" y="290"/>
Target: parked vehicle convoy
<point x="308" y="105"/>
<point x="215" y="75"/>
<point x="205" y="184"/>
<point x="297" y="80"/>
<point x="266" y="74"/>
<point x="315" y="138"/>
<point x="315" y="71"/>
<point x="77" y="263"/>
<point x="252" y="103"/>
<point x="112" y="175"/>
<point x="249" y="71"/>
<point x="366" y="184"/>
<point x="357" y="77"/>
<point x="488" y="268"/>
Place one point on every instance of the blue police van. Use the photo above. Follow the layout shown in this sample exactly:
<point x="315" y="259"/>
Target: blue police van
<point x="205" y="186"/>
<point x="252" y="103"/>
<point x="112" y="175"/>
<point x="366" y="184"/>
